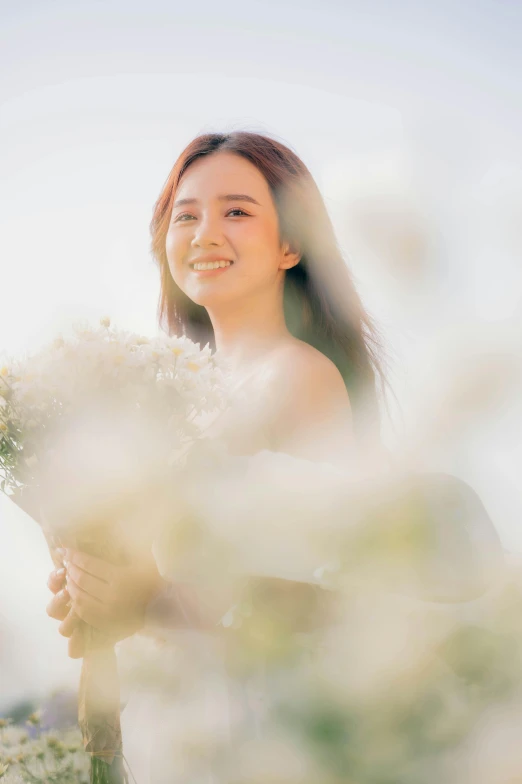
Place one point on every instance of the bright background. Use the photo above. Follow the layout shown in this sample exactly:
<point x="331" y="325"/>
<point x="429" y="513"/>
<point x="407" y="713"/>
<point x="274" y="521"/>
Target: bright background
<point x="407" y="114"/>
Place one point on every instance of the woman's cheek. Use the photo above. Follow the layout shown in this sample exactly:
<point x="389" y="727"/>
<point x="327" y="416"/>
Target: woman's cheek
<point x="175" y="266"/>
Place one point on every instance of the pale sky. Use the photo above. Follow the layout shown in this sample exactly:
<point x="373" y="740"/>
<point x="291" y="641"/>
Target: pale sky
<point x="416" y="105"/>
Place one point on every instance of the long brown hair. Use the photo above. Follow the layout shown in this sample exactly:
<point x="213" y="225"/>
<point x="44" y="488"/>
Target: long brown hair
<point x="321" y="304"/>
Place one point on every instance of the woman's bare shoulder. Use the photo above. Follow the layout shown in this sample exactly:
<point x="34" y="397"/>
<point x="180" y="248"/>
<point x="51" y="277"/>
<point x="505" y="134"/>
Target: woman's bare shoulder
<point x="308" y="396"/>
<point x="297" y="363"/>
<point x="309" y="413"/>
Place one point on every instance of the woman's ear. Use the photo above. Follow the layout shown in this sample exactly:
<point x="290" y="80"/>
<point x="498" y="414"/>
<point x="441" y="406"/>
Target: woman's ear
<point x="290" y="257"/>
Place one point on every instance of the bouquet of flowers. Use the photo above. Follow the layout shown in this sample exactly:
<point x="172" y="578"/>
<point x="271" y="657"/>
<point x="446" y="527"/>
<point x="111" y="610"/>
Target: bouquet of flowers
<point x="94" y="432"/>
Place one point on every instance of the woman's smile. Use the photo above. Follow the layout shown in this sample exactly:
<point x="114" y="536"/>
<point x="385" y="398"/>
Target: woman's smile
<point x="209" y="265"/>
<point x="210" y="271"/>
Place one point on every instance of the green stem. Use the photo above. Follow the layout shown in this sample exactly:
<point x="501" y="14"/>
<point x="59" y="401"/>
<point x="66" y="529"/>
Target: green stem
<point x="104" y="773"/>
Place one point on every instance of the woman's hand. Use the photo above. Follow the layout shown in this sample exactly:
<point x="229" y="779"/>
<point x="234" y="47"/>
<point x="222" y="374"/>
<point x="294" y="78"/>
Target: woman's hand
<point x="110" y="598"/>
<point x="60" y="608"/>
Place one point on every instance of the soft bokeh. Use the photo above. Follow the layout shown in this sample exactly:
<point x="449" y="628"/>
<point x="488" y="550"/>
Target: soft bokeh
<point x="407" y="115"/>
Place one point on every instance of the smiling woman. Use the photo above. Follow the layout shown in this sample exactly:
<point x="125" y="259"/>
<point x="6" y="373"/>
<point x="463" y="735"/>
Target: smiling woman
<point x="248" y="199"/>
<point x="250" y="265"/>
<point x="251" y="598"/>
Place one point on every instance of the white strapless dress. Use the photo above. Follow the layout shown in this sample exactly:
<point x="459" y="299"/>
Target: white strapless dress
<point x="271" y="506"/>
<point x="194" y="701"/>
<point x="166" y="725"/>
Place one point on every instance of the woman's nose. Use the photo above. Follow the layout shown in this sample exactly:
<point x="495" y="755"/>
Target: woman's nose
<point x="207" y="232"/>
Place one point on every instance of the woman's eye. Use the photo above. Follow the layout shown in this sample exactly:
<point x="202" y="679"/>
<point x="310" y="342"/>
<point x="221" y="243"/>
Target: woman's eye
<point x="236" y="210"/>
<point x="188" y="215"/>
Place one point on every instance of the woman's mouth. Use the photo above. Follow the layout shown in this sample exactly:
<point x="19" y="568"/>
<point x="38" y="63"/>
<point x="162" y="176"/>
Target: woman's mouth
<point x="206" y="269"/>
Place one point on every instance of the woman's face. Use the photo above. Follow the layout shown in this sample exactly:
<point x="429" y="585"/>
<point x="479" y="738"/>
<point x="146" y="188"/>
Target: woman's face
<point x="223" y="207"/>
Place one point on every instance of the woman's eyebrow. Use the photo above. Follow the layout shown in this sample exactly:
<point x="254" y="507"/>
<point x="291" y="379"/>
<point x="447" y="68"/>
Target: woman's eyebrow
<point x="222" y="197"/>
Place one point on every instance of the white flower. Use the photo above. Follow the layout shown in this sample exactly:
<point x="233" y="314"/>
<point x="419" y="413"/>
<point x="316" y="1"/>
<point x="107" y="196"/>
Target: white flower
<point x="169" y="379"/>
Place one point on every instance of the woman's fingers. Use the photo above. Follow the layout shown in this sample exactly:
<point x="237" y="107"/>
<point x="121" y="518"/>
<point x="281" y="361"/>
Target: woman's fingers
<point x="91" y="585"/>
<point x="94" y="566"/>
<point x="57" y="607"/>
<point x="56" y="580"/>
<point x="89" y="609"/>
<point x="92" y="612"/>
<point x="76" y="646"/>
<point x="69" y="623"/>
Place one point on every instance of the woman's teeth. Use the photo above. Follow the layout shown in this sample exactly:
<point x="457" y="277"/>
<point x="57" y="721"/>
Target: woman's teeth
<point x="205" y="265"/>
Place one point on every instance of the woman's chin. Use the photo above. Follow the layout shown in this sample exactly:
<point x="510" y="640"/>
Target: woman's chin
<point x="210" y="294"/>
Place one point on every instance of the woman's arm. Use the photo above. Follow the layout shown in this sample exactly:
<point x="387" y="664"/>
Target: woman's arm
<point x="277" y="520"/>
<point x="179" y="606"/>
<point x="309" y="411"/>
<point x="299" y="607"/>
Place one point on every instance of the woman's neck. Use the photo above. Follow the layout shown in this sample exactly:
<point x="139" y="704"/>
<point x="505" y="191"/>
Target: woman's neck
<point x="248" y="333"/>
<point x="251" y="351"/>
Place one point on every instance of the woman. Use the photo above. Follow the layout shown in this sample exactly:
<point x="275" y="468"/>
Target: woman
<point x="249" y="263"/>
